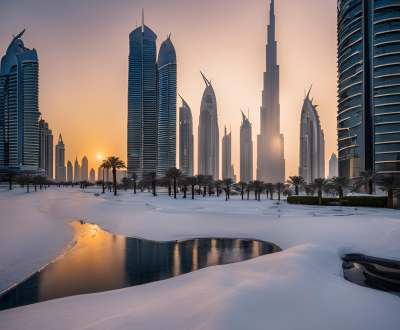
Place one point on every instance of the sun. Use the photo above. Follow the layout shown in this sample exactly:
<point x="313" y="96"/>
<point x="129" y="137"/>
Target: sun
<point x="99" y="156"/>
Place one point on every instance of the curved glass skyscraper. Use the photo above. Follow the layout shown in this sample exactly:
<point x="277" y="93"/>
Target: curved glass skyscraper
<point x="166" y="114"/>
<point x="312" y="143"/>
<point x="19" y="108"/>
<point x="368" y="86"/>
<point x="142" y="102"/>
<point x="208" y="161"/>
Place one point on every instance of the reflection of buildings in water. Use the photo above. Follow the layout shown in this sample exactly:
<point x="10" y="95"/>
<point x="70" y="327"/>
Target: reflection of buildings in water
<point x="195" y="260"/>
<point x="177" y="260"/>
<point x="256" y="249"/>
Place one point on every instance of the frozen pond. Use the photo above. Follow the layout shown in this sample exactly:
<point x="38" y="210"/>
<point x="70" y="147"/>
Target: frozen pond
<point x="100" y="261"/>
<point x="376" y="273"/>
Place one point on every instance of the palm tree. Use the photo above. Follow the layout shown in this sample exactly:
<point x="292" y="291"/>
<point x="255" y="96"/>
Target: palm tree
<point x="218" y="184"/>
<point x="296" y="181"/>
<point x="288" y="192"/>
<point x="184" y="185"/>
<point x="271" y="189"/>
<point x="192" y="181"/>
<point x="114" y="163"/>
<point x="126" y="182"/>
<point x="228" y="182"/>
<point x="150" y="179"/>
<point x="390" y="184"/>
<point x="248" y="189"/>
<point x="202" y="181"/>
<point x="368" y="178"/>
<point x="242" y="185"/>
<point x="340" y="183"/>
<point x="174" y="174"/>
<point x="134" y="178"/>
<point x="258" y="187"/>
<point x="104" y="166"/>
<point x="318" y="184"/>
<point x="280" y="188"/>
<point x="10" y="177"/>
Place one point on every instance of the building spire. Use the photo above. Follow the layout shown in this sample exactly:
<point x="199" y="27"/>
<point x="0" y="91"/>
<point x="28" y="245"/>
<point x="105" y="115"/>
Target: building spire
<point x="271" y="26"/>
<point x="142" y="19"/>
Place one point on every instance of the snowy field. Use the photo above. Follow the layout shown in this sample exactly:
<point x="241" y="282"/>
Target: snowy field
<point x="300" y="288"/>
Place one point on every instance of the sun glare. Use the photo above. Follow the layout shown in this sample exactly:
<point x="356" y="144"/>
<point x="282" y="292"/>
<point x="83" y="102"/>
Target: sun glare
<point x="99" y="157"/>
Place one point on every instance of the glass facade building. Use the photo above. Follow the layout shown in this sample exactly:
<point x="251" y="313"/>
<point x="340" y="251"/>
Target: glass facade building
<point x="19" y="109"/>
<point x="46" y="148"/>
<point x="208" y="151"/>
<point x="166" y="107"/>
<point x="142" y="102"/>
<point x="186" y="139"/>
<point x="368" y="86"/>
<point x="246" y="150"/>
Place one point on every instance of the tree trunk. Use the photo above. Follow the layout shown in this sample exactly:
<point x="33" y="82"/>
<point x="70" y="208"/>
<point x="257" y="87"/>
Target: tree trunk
<point x="255" y="194"/>
<point x="115" y="181"/>
<point x="35" y="186"/>
<point x="370" y="187"/>
<point x="272" y="196"/>
<point x="320" y="197"/>
<point x="390" y="199"/>
<point x="267" y="193"/>
<point x="340" y="195"/>
<point x="10" y="180"/>
<point x="279" y="195"/>
<point x="184" y="192"/>
<point x="226" y="194"/>
<point x="103" y="182"/>
<point x="217" y="190"/>
<point x="192" y="192"/>
<point x="134" y="187"/>
<point x="248" y="194"/>
<point x="242" y="193"/>
<point x="296" y="189"/>
<point x="174" y="188"/>
<point x="259" y="195"/>
<point x="169" y="189"/>
<point x="204" y="191"/>
<point x="153" y="185"/>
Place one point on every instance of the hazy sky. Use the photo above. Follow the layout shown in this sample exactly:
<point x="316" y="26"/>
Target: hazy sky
<point x="83" y="59"/>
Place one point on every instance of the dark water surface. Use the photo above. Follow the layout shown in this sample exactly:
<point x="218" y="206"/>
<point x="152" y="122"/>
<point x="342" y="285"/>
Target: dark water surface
<point x="376" y="273"/>
<point x="101" y="261"/>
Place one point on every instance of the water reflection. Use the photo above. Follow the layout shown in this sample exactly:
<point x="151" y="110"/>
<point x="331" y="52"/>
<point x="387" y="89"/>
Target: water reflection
<point x="101" y="262"/>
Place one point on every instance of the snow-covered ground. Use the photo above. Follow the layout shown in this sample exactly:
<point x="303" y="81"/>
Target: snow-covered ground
<point x="299" y="288"/>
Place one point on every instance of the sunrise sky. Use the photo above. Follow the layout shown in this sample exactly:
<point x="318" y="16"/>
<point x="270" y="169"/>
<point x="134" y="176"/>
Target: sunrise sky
<point x="83" y="57"/>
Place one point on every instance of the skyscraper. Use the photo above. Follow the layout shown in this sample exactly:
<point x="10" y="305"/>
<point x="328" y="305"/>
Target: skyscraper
<point x="77" y="171"/>
<point x="333" y="166"/>
<point x="312" y="143"/>
<point x="100" y="173"/>
<point x="92" y="177"/>
<point x="270" y="142"/>
<point x="166" y="100"/>
<point x="246" y="150"/>
<point x="208" y="160"/>
<point x="19" y="109"/>
<point x="368" y="87"/>
<point x="46" y="148"/>
<point x="227" y="167"/>
<point x="84" y="168"/>
<point x="60" y="161"/>
<point x="186" y="139"/>
<point x="142" y="102"/>
<point x="70" y="172"/>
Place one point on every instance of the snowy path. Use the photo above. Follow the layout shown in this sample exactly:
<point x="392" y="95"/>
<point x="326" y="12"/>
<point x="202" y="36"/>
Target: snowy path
<point x="299" y="288"/>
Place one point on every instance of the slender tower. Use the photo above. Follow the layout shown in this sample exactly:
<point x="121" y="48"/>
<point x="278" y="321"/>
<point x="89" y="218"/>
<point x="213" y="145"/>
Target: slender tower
<point x="166" y="104"/>
<point x="60" y="161"/>
<point x="186" y="161"/>
<point x="208" y="160"/>
<point x="246" y="150"/>
<point x="142" y="102"/>
<point x="270" y="142"/>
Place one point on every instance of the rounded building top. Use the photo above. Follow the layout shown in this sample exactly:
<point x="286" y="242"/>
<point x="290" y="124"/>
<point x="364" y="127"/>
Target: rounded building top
<point x="167" y="53"/>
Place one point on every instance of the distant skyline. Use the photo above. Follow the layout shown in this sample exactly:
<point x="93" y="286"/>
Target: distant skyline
<point x="84" y="64"/>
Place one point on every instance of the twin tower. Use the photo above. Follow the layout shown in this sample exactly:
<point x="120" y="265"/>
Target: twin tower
<point x="152" y="97"/>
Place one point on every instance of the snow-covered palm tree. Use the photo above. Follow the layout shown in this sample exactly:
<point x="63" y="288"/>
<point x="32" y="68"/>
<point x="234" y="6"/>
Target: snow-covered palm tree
<point x="193" y="182"/>
<point x="390" y="184"/>
<point x="296" y="181"/>
<point x="318" y="184"/>
<point x="340" y="183"/>
<point x="174" y="174"/>
<point x="280" y="188"/>
<point x="228" y="182"/>
<point x="368" y="178"/>
<point x="114" y="163"/>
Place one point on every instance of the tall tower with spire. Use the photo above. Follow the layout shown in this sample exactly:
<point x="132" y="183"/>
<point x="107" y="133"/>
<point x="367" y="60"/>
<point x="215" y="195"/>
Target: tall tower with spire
<point x="208" y="160"/>
<point x="61" y="170"/>
<point x="142" y="102"/>
<point x="270" y="142"/>
<point x="246" y="150"/>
